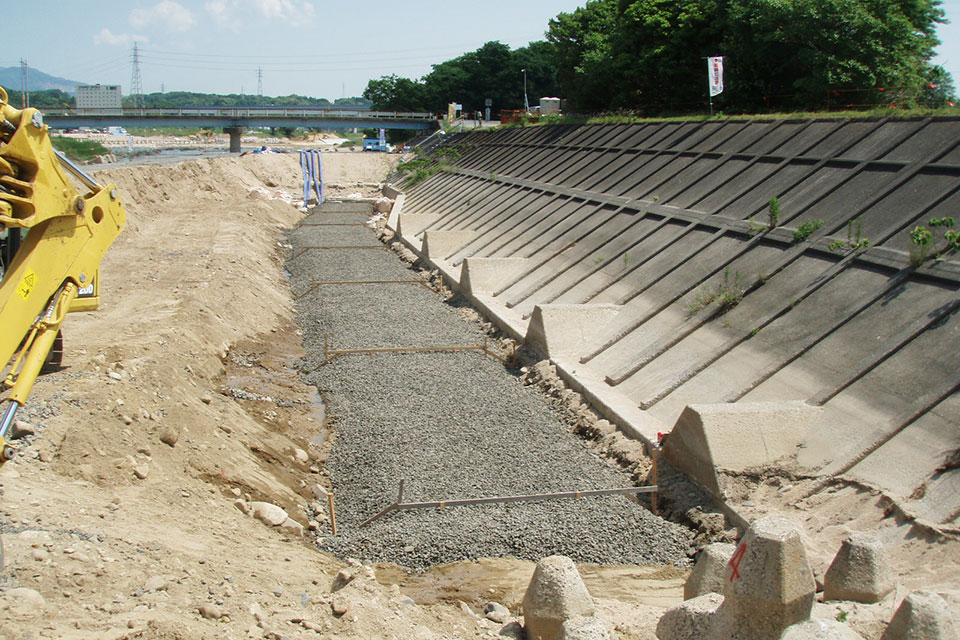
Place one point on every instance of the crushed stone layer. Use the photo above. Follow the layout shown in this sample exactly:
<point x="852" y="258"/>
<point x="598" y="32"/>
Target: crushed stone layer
<point x="451" y="425"/>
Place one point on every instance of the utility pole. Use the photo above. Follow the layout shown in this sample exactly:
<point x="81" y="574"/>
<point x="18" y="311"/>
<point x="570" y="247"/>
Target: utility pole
<point x="24" y="89"/>
<point x="260" y="82"/>
<point x="136" y="85"/>
<point x="526" y="103"/>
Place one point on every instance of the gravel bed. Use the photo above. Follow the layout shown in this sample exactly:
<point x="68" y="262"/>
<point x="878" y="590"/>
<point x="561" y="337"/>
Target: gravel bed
<point x="452" y="425"/>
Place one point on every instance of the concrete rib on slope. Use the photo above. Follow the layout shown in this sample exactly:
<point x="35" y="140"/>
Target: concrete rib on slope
<point x="666" y="219"/>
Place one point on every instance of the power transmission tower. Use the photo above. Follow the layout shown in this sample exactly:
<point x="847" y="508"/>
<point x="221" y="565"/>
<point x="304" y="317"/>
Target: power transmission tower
<point x="24" y="90"/>
<point x="136" y="86"/>
<point x="260" y="82"/>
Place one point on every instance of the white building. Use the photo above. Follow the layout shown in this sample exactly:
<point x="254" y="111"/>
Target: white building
<point x="99" y="96"/>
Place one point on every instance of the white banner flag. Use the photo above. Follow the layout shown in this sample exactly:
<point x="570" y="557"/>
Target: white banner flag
<point x="715" y="73"/>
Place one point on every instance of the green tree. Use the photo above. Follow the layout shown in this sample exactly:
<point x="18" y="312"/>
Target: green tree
<point x="537" y="59"/>
<point x="649" y="54"/>
<point x="813" y="53"/>
<point x="583" y="54"/>
<point x="392" y="93"/>
<point x="493" y="71"/>
<point x="46" y="99"/>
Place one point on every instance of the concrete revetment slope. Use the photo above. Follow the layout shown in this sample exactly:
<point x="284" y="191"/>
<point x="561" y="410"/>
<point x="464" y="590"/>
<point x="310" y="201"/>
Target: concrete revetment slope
<point x="718" y="298"/>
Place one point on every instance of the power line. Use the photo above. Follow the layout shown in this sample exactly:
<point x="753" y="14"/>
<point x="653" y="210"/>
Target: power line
<point x="226" y="64"/>
<point x="325" y="56"/>
<point x="259" y="81"/>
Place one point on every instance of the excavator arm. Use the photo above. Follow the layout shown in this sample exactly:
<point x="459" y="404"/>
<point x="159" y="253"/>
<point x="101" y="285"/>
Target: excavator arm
<point x="54" y="268"/>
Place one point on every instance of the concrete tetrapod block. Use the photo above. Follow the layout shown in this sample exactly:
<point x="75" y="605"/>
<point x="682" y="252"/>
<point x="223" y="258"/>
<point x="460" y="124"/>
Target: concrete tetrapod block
<point x="691" y="619"/>
<point x="439" y="244"/>
<point x="859" y="572"/>
<point x="558" y="330"/>
<point x="820" y="630"/>
<point x="707" y="575"/>
<point x="736" y="437"/>
<point x="921" y="616"/>
<point x="487" y="275"/>
<point x="556" y="593"/>
<point x="410" y="224"/>
<point x="768" y="583"/>
<point x="584" y="628"/>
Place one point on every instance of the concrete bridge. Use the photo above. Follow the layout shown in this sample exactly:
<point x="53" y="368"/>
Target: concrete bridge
<point x="233" y="120"/>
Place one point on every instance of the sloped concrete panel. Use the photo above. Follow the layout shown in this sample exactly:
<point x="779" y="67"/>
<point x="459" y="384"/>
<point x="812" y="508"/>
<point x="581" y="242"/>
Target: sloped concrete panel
<point x="565" y="330"/>
<point x="736" y="437"/>
<point x="487" y="275"/>
<point x="410" y="224"/>
<point x="440" y="244"/>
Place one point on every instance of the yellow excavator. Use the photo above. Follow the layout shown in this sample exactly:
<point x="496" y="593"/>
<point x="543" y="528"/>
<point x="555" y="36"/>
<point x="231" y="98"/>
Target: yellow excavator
<point x="54" y="231"/>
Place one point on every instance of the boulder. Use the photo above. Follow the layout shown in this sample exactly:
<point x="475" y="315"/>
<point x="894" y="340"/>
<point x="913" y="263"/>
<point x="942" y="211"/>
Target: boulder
<point x="859" y="572"/>
<point x="707" y="574"/>
<point x="268" y="513"/>
<point x="496" y="612"/>
<point x="22" y="601"/>
<point x="556" y="593"/>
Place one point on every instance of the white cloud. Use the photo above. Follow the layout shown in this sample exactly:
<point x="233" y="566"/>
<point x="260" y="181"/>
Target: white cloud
<point x="237" y="14"/>
<point x="167" y="13"/>
<point x="105" y="36"/>
<point x="225" y="13"/>
<point x="286" y="10"/>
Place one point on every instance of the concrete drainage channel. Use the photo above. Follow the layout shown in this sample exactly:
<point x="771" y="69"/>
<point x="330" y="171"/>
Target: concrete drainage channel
<point x="451" y="425"/>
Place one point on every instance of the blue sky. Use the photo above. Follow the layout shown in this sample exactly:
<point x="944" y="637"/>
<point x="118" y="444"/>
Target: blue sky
<point x="322" y="48"/>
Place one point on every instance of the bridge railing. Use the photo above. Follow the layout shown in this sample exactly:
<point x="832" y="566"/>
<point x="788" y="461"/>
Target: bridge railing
<point x="244" y="112"/>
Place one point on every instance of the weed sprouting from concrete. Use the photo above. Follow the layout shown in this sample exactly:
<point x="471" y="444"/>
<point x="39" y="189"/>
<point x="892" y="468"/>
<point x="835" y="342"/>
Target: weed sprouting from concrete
<point x="806" y="229"/>
<point x="755" y="227"/>
<point x="855" y="240"/>
<point x="773" y="213"/>
<point x="923" y="240"/>
<point x="727" y="294"/>
<point x="423" y="167"/>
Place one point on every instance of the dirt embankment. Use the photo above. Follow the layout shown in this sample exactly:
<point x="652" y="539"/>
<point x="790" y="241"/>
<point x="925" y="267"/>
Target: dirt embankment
<point x="118" y="517"/>
<point x="177" y="399"/>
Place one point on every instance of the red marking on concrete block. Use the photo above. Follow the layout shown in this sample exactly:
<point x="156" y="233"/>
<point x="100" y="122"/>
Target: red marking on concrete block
<point x="735" y="560"/>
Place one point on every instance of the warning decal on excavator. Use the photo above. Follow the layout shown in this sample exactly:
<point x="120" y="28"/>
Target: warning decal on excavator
<point x="27" y="283"/>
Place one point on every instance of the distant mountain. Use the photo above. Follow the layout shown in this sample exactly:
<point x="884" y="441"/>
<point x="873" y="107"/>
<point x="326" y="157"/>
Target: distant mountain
<point x="36" y="80"/>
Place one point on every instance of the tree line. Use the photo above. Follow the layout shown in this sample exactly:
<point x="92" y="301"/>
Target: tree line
<point x="649" y="56"/>
<point x="175" y="99"/>
<point x="57" y="99"/>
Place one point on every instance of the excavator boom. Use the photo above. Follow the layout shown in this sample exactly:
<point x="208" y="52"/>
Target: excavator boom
<point x="54" y="269"/>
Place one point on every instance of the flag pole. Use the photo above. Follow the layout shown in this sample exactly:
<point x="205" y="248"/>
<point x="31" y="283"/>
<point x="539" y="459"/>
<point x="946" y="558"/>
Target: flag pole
<point x="709" y="86"/>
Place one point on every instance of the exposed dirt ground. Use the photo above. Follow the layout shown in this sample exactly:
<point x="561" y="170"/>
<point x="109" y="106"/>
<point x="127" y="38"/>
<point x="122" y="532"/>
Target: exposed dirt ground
<point x="177" y="398"/>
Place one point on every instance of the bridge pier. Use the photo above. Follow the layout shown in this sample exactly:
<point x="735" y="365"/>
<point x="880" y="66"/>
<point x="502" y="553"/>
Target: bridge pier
<point x="235" y="133"/>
